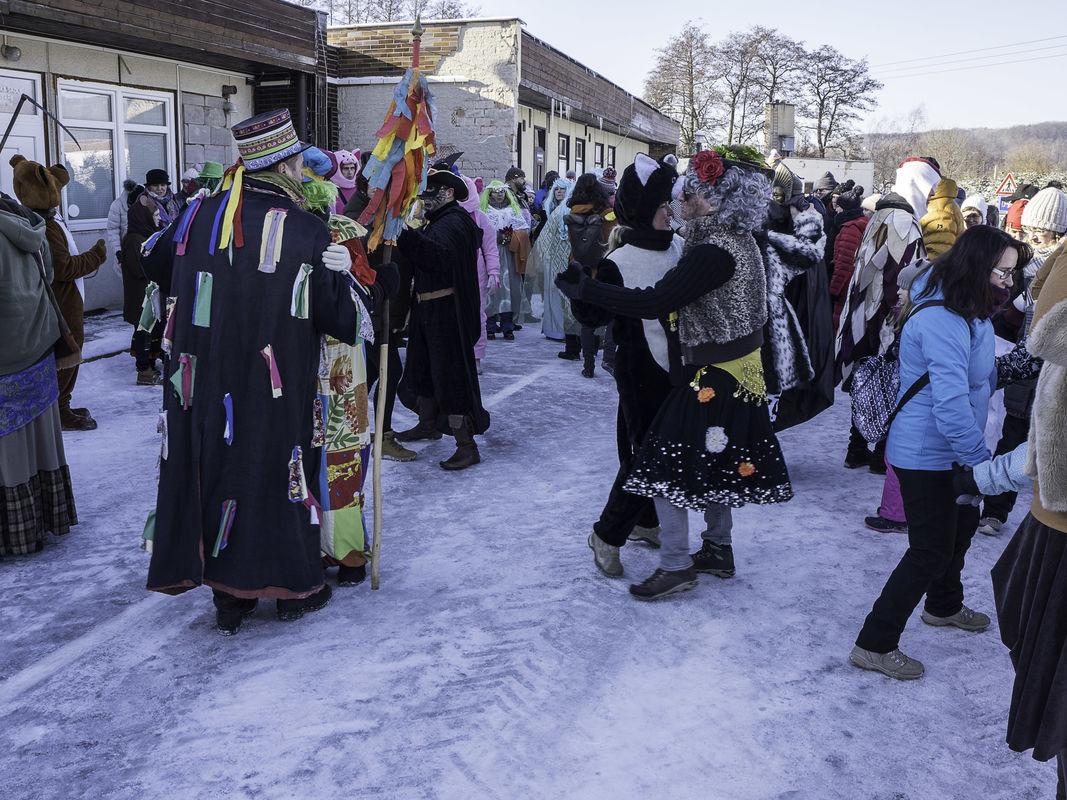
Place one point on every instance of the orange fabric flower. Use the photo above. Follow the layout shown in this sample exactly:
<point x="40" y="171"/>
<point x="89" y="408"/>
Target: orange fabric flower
<point x="746" y="468"/>
<point x="705" y="394"/>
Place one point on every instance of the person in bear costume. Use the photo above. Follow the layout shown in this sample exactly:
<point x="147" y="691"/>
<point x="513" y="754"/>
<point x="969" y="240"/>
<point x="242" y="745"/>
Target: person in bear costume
<point x="39" y="189"/>
<point x="647" y="249"/>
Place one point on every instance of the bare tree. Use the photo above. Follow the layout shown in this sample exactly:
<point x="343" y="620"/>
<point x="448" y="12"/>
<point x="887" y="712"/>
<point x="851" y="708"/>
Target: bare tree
<point x="738" y="63"/>
<point x="347" y="12"/>
<point x="837" y="89"/>
<point x="682" y="83"/>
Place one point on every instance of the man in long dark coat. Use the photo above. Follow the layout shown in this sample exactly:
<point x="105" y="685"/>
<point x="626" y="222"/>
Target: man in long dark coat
<point x="440" y="380"/>
<point x="250" y="295"/>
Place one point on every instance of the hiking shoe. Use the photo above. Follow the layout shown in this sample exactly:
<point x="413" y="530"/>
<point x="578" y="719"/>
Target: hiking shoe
<point x="662" y="583"/>
<point x="605" y="556"/>
<point x="587" y="372"/>
<point x="649" y="536"/>
<point x="149" y="377"/>
<point x="351" y="576"/>
<point x="71" y="420"/>
<point x="228" y="621"/>
<point x="393" y="450"/>
<point x="990" y="526"/>
<point x="490" y="336"/>
<point x="878" y="467"/>
<point x="883" y="525"/>
<point x="608" y="368"/>
<point x="894" y="663"/>
<point x="966" y="619"/>
<point x="714" y="559"/>
<point x="289" y="610"/>
<point x="509" y="336"/>
<point x="566" y="355"/>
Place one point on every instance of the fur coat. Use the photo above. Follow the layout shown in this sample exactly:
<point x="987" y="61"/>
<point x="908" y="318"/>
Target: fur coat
<point x="1047" y="455"/>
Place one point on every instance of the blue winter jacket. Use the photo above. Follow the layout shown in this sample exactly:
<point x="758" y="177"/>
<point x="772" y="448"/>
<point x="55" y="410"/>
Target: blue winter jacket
<point x="945" y="421"/>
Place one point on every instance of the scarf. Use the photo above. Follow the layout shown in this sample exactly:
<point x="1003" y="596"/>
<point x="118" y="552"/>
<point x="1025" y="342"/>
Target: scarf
<point x="647" y="238"/>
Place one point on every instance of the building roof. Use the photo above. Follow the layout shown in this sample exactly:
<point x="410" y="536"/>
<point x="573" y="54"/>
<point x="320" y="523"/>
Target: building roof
<point x="230" y="34"/>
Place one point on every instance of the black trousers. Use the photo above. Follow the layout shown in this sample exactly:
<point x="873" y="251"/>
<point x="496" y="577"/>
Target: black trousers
<point x="391" y="380"/>
<point x="1061" y="769"/>
<point x="590" y="344"/>
<point x="939" y="533"/>
<point x="1012" y="434"/>
<point x="623" y="510"/>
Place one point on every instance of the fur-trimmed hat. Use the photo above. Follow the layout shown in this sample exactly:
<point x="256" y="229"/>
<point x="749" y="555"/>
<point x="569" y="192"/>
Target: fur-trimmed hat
<point x="645" y="186"/>
<point x="1046" y="211"/>
<point x="36" y="187"/>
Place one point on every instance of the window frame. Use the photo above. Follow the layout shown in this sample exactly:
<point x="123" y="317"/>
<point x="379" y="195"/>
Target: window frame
<point x="118" y="128"/>
<point x="579" y="155"/>
<point x="563" y="153"/>
<point x="598" y="154"/>
<point x="611" y="156"/>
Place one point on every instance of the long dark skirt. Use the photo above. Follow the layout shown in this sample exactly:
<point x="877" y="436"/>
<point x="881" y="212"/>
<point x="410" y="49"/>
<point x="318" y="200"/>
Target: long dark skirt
<point x="1030" y="586"/>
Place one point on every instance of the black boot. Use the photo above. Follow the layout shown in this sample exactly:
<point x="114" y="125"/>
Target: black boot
<point x="231" y="611"/>
<point x="289" y="610"/>
<point x="427" y="427"/>
<point x="466" y="454"/>
<point x="857" y="455"/>
<point x="351" y="576"/>
<point x="878" y="459"/>
<point x="572" y="349"/>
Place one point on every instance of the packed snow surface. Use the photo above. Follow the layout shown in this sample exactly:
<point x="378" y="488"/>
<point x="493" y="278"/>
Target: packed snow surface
<point x="495" y="661"/>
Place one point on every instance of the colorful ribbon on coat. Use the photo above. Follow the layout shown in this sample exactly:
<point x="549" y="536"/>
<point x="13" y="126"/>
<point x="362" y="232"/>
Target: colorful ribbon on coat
<point x="181" y="233"/>
<point x="229" y="511"/>
<point x="272" y="364"/>
<point x="301" y="293"/>
<point x="183" y="379"/>
<point x="227" y="405"/>
<point x="270" y="251"/>
<point x="202" y="300"/>
<point x="150" y="308"/>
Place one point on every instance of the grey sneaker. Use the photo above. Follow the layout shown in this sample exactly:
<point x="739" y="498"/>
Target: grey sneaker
<point x="894" y="663"/>
<point x="965" y="619"/>
<point x="663" y="582"/>
<point x="605" y="556"/>
<point x="990" y="526"/>
<point x="649" y="536"/>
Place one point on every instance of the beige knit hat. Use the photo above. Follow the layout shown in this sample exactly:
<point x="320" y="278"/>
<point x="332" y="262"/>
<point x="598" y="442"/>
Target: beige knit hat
<point x="1047" y="211"/>
<point x="870" y="202"/>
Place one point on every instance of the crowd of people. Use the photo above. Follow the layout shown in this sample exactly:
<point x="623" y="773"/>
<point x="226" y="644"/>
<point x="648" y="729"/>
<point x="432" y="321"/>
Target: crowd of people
<point x="728" y="302"/>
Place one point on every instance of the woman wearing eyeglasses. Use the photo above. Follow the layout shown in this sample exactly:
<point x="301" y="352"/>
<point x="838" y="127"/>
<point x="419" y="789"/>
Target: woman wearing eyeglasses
<point x="947" y="349"/>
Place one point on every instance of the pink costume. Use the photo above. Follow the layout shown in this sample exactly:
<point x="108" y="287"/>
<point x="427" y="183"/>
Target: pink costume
<point x="345" y="186"/>
<point x="489" y="261"/>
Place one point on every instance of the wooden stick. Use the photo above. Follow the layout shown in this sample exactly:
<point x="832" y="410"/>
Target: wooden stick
<point x="379" y="434"/>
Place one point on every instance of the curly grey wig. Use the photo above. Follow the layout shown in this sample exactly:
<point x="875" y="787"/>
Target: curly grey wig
<point x="741" y="195"/>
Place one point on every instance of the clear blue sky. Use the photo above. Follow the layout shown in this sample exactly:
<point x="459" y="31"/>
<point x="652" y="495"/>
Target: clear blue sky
<point x="617" y="39"/>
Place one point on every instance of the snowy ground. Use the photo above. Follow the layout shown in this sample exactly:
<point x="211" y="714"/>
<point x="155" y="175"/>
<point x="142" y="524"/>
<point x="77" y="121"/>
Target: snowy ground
<point x="494" y="662"/>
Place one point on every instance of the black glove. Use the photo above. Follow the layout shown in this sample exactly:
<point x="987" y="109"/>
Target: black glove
<point x="569" y="282"/>
<point x="388" y="279"/>
<point x="963" y="484"/>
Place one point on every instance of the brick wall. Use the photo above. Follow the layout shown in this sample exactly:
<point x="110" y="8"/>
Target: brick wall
<point x="386" y="49"/>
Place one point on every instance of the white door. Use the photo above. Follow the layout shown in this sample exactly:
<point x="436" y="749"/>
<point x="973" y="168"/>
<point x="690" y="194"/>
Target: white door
<point x="27" y="136"/>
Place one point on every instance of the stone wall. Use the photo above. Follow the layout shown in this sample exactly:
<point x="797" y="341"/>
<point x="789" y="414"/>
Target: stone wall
<point x="205" y="128"/>
<point x="475" y="87"/>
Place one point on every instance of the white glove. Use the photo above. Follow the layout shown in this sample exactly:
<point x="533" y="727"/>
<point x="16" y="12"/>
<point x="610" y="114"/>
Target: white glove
<point x="337" y="258"/>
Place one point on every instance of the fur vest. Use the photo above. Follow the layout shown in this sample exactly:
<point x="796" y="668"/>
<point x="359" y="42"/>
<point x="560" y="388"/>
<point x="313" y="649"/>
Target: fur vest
<point x="739" y="306"/>
<point x="787" y="256"/>
<point x="1047" y="453"/>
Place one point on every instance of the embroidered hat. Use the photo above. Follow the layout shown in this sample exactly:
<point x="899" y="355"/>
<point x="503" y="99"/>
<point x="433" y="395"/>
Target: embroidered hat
<point x="1047" y="211"/>
<point x="267" y="139"/>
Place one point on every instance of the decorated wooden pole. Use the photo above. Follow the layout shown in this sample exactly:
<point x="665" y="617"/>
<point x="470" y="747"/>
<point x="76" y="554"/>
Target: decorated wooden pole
<point x="396" y="174"/>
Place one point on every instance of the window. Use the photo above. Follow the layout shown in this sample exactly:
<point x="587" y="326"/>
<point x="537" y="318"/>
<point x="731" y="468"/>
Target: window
<point x="539" y="155"/>
<point x="564" y="154"/>
<point x="518" y="147"/>
<point x="598" y="155"/>
<point x="579" y="155"/>
<point x="611" y="156"/>
<point x="122" y="133"/>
